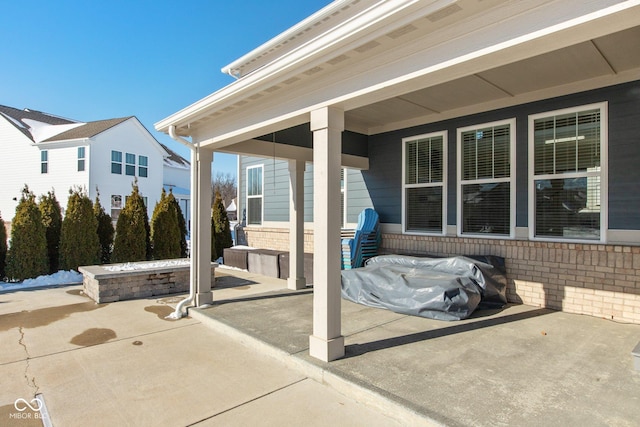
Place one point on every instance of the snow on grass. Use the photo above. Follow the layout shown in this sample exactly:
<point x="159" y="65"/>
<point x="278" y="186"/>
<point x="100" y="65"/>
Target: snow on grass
<point x="56" y="279"/>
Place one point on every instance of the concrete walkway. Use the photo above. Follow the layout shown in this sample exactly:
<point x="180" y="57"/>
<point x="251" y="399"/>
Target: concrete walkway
<point x="521" y="365"/>
<point x="123" y="364"/>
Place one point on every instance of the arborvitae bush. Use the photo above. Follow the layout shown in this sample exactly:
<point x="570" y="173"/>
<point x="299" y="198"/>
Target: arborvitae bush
<point x="132" y="230"/>
<point x="27" y="256"/>
<point x="52" y="220"/>
<point x="181" y="224"/>
<point x="3" y="248"/>
<point x="165" y="231"/>
<point x="220" y="226"/>
<point x="105" y="231"/>
<point x="79" y="243"/>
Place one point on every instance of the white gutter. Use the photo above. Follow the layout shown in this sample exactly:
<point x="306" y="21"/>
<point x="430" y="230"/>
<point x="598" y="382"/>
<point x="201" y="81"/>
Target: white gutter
<point x="193" y="253"/>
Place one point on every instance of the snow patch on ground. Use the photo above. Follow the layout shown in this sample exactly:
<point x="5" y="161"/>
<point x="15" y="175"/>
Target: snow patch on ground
<point x="56" y="279"/>
<point x="146" y="265"/>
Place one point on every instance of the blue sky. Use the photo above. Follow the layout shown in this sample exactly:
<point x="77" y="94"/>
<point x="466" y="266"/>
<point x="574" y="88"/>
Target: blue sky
<point x="94" y="60"/>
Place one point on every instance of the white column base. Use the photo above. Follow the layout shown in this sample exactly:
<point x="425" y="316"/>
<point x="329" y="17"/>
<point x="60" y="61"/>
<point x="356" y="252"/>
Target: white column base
<point x="204" y="298"/>
<point x="297" y="283"/>
<point x="326" y="350"/>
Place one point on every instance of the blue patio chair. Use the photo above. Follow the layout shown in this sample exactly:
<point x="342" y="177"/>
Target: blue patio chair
<point x="365" y="241"/>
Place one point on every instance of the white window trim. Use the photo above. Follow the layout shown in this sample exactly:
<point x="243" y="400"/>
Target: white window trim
<point x="445" y="144"/>
<point x="604" y="174"/>
<point x="511" y="180"/>
<point x="255" y="197"/>
<point x="344" y="192"/>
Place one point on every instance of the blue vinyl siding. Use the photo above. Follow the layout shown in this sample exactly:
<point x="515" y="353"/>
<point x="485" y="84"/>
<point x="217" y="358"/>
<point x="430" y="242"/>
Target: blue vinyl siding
<point x="380" y="186"/>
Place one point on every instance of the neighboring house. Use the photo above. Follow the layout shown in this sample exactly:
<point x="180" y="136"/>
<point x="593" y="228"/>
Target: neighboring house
<point x="52" y="153"/>
<point x="177" y="179"/>
<point x="506" y="128"/>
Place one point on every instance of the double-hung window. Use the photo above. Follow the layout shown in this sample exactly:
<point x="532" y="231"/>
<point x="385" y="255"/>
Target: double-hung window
<point x="567" y="150"/>
<point x="254" y="195"/>
<point x="130" y="166"/>
<point x="424" y="183"/>
<point x="486" y="179"/>
<point x="44" y="161"/>
<point x="81" y="159"/>
<point x="116" y="162"/>
<point x="143" y="165"/>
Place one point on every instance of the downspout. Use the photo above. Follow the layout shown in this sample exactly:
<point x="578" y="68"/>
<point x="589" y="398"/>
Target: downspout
<point x="193" y="255"/>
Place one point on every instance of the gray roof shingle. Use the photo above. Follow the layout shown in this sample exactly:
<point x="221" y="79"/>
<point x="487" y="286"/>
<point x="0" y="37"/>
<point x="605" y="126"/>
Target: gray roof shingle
<point x="88" y="130"/>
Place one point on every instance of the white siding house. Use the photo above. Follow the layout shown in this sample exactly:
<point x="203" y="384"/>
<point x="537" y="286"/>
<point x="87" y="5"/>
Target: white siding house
<point x="177" y="179"/>
<point x="52" y="153"/>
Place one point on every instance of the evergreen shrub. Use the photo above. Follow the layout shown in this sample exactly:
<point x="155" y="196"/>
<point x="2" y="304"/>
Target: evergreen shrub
<point x="79" y="243"/>
<point x="52" y="221"/>
<point x="220" y="226"/>
<point x="3" y="248"/>
<point x="165" y="230"/>
<point x="105" y="231"/>
<point x="132" y="230"/>
<point x="27" y="256"/>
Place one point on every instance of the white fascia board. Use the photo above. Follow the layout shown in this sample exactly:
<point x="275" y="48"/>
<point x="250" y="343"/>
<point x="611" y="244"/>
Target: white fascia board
<point x="347" y="35"/>
<point x="62" y="144"/>
<point x="318" y="17"/>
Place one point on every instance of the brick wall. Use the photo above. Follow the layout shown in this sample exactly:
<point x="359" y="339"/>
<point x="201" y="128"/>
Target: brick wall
<point x="275" y="238"/>
<point x="592" y="279"/>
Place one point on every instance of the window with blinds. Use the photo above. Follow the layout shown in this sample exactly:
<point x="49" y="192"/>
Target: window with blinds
<point x="567" y="148"/>
<point x="254" y="195"/>
<point x="424" y="163"/>
<point x="486" y="179"/>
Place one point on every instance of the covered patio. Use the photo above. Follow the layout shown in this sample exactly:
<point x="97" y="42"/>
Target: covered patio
<point x="521" y="365"/>
<point x="358" y="68"/>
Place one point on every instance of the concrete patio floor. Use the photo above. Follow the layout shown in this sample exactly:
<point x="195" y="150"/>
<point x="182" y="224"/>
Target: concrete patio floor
<point x="521" y="365"/>
<point x="124" y="364"/>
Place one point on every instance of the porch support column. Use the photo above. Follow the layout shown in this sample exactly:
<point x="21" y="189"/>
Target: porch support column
<point x="202" y="192"/>
<point x="327" y="342"/>
<point x="296" y="225"/>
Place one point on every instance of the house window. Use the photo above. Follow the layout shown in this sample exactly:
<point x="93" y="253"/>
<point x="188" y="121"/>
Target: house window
<point x="81" y="159"/>
<point x="254" y="195"/>
<point x="116" y="162"/>
<point x="44" y="161"/>
<point x="567" y="148"/>
<point x="143" y="165"/>
<point x="424" y="176"/>
<point x="130" y="166"/>
<point x="116" y="206"/>
<point x="486" y="201"/>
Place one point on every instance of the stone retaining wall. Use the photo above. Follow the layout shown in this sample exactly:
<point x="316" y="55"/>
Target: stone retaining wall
<point x="103" y="285"/>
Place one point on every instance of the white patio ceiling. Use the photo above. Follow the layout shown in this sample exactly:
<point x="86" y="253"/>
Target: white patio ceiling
<point x="610" y="55"/>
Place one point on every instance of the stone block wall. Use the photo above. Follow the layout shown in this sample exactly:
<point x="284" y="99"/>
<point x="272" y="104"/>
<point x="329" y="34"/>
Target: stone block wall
<point x="104" y="286"/>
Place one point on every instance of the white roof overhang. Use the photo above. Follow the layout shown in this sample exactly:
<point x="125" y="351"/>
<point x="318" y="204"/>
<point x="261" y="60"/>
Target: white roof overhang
<point x="395" y="64"/>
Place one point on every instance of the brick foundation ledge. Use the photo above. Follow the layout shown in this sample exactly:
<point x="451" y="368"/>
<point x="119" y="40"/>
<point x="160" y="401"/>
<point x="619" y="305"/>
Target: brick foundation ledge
<point x="118" y="282"/>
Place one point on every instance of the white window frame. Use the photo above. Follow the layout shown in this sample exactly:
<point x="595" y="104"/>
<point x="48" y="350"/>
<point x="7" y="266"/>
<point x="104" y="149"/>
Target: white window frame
<point x="261" y="196"/>
<point x="128" y="164"/>
<point x="44" y="162"/>
<point x="114" y="162"/>
<point x="443" y="184"/>
<point x="511" y="179"/>
<point x="144" y="167"/>
<point x="343" y="194"/>
<point x="603" y="174"/>
<point x="82" y="160"/>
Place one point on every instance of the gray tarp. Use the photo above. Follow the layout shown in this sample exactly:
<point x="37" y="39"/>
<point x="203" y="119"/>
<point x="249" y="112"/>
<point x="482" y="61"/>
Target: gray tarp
<point x="437" y="288"/>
